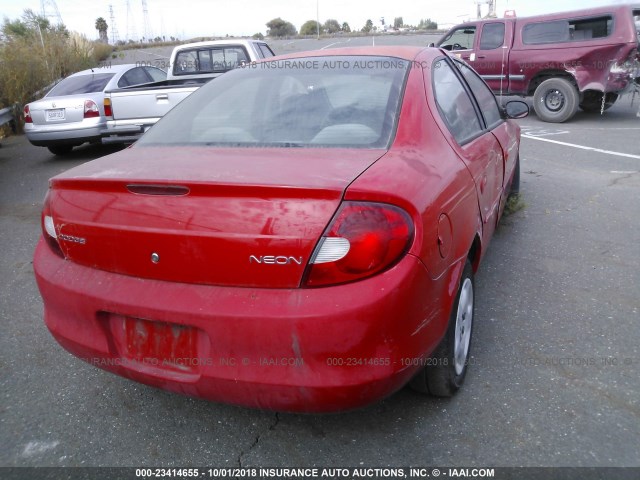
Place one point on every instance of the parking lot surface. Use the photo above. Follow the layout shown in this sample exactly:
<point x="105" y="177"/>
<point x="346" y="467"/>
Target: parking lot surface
<point x="555" y="357"/>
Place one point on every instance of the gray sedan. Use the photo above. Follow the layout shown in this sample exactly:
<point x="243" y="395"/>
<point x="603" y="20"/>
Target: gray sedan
<point x="72" y="113"/>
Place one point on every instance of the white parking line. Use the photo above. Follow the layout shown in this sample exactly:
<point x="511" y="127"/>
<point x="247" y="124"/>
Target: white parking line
<point x="582" y="147"/>
<point x="330" y="45"/>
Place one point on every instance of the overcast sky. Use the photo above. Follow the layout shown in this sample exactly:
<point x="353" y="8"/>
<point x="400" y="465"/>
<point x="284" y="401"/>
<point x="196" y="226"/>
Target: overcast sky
<point x="193" y="18"/>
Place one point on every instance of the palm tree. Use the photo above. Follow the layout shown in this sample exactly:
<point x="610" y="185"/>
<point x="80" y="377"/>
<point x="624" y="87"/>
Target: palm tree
<point x="101" y="26"/>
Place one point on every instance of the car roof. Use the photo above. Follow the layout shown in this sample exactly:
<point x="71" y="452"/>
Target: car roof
<point x="106" y="69"/>
<point x="585" y="12"/>
<point x="402" y="52"/>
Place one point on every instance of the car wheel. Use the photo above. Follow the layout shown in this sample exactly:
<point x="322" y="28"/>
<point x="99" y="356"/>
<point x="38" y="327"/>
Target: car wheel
<point x="515" y="183"/>
<point x="555" y="100"/>
<point x="445" y="371"/>
<point x="60" y="149"/>
<point x="592" y="101"/>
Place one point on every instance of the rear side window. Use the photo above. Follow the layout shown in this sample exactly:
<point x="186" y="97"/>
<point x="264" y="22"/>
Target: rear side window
<point x="265" y="50"/>
<point x="135" y="76"/>
<point x="210" y="60"/>
<point x="492" y="36"/>
<point x="155" y="73"/>
<point x="561" y="31"/>
<point x="454" y="103"/>
<point x="90" y="83"/>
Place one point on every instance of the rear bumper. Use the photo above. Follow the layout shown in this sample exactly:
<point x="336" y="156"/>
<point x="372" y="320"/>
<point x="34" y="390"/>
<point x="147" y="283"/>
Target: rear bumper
<point x="126" y="131"/>
<point x="50" y="135"/>
<point x="311" y="350"/>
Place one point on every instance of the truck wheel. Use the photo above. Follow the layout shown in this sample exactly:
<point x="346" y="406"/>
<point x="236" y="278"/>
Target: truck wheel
<point x="592" y="101"/>
<point x="555" y="100"/>
<point x="447" y="367"/>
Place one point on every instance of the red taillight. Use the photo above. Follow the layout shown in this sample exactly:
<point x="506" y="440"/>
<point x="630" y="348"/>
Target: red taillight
<point x="91" y="110"/>
<point x="49" y="231"/>
<point x="27" y="115"/>
<point x="362" y="239"/>
<point x="107" y="108"/>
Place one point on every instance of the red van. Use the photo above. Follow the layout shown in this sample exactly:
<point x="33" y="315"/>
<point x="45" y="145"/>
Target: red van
<point x="583" y="59"/>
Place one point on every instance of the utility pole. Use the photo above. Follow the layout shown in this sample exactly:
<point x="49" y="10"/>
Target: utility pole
<point x="145" y="18"/>
<point x="114" y="29"/>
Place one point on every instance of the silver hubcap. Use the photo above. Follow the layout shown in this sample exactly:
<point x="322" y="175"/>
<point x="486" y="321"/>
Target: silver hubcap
<point x="464" y="321"/>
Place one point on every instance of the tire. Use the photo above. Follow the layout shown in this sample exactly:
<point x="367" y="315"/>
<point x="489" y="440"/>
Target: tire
<point x="445" y="373"/>
<point x="555" y="100"/>
<point x="592" y="101"/>
<point x="515" y="183"/>
<point x="60" y="149"/>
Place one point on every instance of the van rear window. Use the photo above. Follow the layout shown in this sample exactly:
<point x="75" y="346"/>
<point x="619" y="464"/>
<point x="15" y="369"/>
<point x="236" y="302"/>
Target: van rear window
<point x="560" y="31"/>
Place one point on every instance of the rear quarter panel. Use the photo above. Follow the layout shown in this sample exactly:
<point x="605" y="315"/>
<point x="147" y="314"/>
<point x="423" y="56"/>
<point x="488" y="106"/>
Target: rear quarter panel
<point x="422" y="174"/>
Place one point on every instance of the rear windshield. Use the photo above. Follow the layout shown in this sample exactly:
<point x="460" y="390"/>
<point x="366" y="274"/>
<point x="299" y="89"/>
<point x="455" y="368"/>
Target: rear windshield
<point x="91" y="83"/>
<point x="209" y="60"/>
<point x="305" y="102"/>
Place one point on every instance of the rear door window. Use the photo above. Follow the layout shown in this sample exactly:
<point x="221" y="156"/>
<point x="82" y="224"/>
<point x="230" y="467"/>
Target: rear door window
<point x="454" y="103"/>
<point x="492" y="36"/>
<point x="91" y="83"/>
<point x="485" y="98"/>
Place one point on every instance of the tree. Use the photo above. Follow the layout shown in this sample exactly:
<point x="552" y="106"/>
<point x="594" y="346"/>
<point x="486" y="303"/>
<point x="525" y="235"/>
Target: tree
<point x="398" y="23"/>
<point x="331" y="26"/>
<point x="346" y="28"/>
<point x="368" y="26"/>
<point x="280" y="28"/>
<point x="258" y="36"/>
<point x="40" y="53"/>
<point x="101" y="26"/>
<point x="310" y="27"/>
<point x="427" y="25"/>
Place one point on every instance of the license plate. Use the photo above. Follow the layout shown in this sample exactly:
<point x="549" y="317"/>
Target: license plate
<point x="54" y="115"/>
<point x="146" y="343"/>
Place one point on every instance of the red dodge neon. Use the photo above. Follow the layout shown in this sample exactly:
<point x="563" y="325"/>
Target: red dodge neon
<point x="298" y="235"/>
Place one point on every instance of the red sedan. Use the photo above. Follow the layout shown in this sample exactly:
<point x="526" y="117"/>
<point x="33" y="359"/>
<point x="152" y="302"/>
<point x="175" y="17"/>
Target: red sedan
<point x="298" y="235"/>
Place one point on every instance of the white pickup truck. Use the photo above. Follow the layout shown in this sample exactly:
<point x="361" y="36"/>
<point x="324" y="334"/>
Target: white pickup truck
<point x="131" y="111"/>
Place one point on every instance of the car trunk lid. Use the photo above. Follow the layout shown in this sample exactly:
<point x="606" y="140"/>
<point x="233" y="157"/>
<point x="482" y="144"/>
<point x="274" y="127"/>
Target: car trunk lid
<point x="240" y="217"/>
<point x="59" y="110"/>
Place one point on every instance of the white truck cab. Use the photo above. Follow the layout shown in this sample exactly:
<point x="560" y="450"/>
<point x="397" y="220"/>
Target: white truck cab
<point x="210" y="59"/>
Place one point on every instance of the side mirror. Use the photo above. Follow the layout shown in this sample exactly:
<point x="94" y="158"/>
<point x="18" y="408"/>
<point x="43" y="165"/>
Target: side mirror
<point x="431" y="45"/>
<point x="516" y="109"/>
